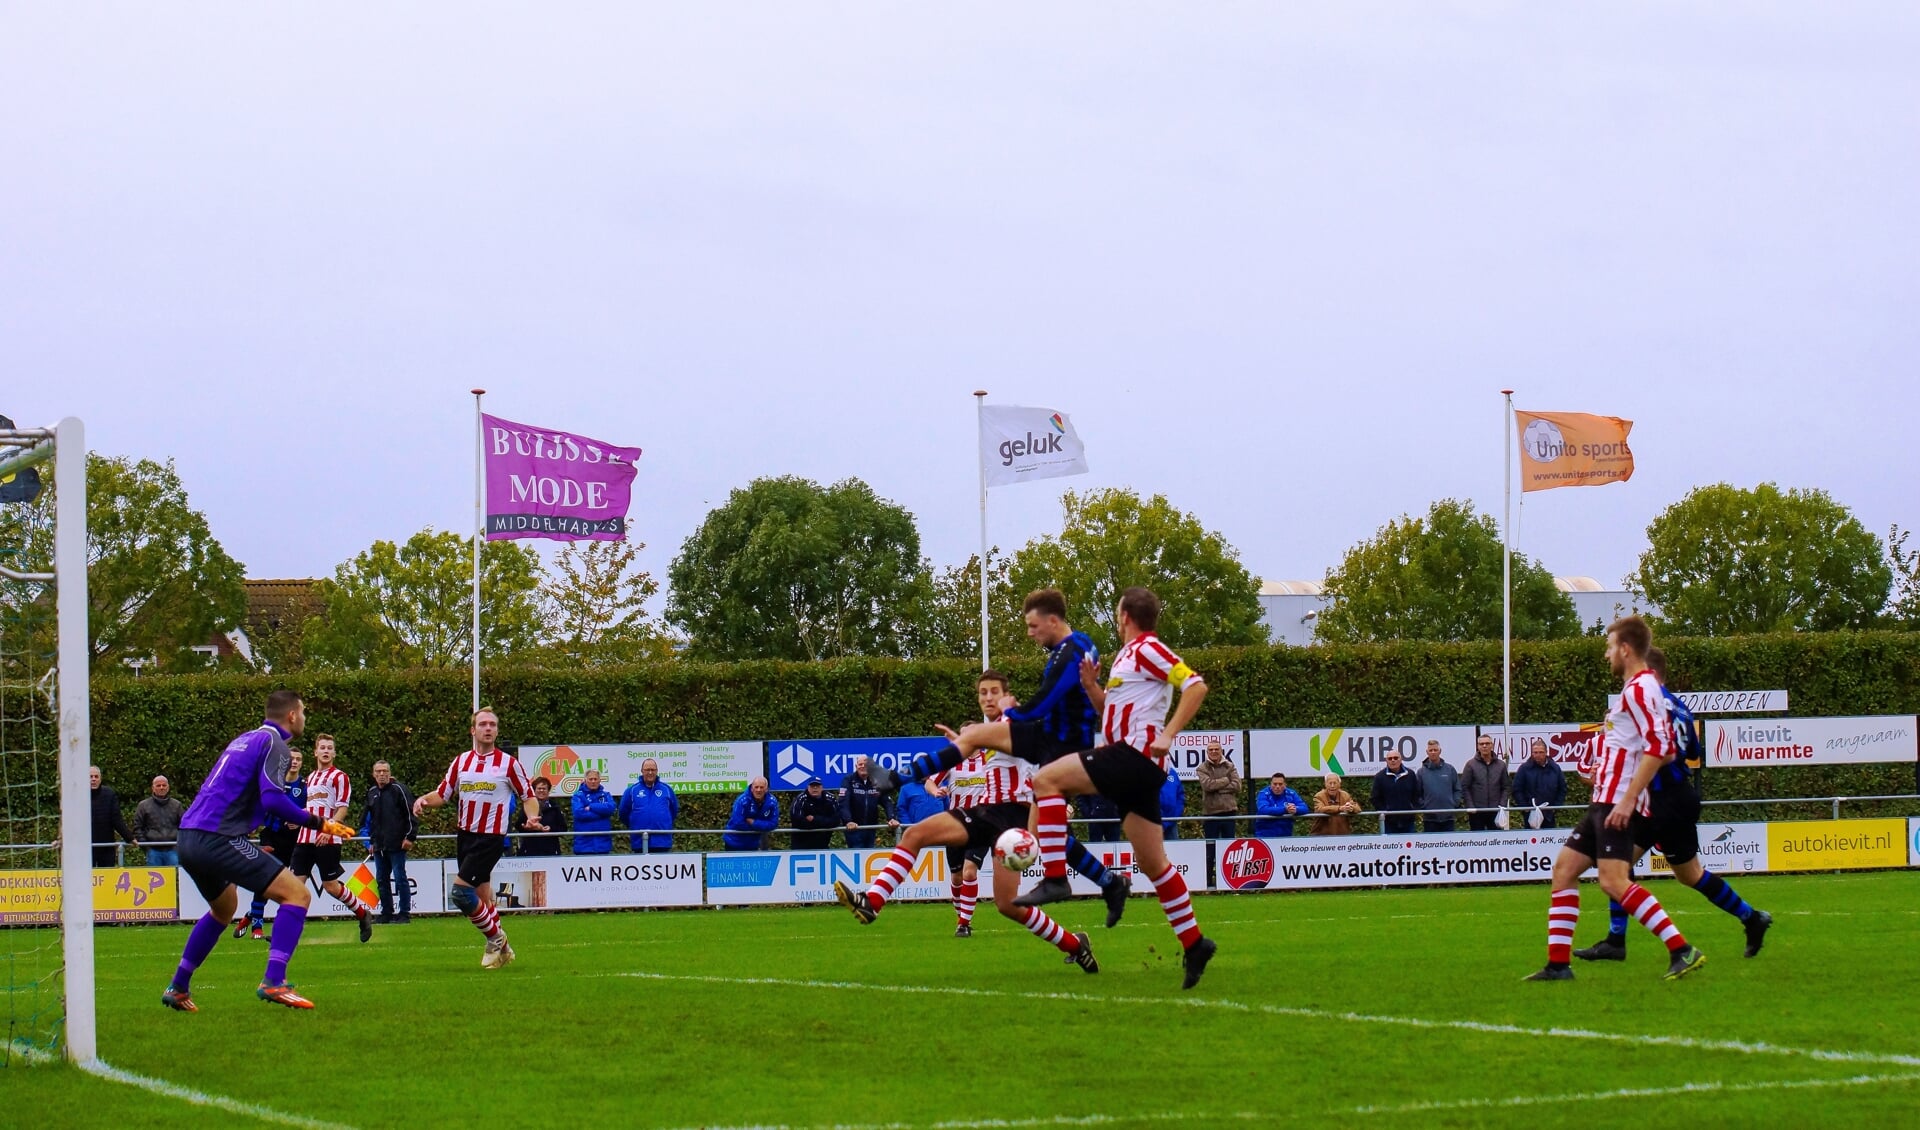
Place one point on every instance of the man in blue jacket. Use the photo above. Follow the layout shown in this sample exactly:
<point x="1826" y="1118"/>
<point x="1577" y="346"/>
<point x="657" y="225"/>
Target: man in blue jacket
<point x="649" y="805"/>
<point x="1173" y="802"/>
<point x="917" y="800"/>
<point x="1277" y="805"/>
<point x="754" y="815"/>
<point x="593" y="808"/>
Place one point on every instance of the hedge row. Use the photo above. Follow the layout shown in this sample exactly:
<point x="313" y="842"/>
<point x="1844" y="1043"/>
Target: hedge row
<point x="417" y="720"/>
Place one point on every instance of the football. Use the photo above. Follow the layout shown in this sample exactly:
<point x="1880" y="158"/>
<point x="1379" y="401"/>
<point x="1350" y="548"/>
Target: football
<point x="1015" y="850"/>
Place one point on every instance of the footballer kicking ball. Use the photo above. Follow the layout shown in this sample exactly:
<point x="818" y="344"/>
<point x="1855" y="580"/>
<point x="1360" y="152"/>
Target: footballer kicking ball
<point x="1015" y="850"/>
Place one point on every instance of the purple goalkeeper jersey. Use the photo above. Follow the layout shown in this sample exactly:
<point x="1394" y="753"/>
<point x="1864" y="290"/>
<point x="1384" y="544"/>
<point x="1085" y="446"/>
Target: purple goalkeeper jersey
<point x="245" y="786"/>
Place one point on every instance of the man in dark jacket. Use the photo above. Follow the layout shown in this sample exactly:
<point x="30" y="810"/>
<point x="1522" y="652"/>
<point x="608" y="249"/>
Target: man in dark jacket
<point x="156" y="824"/>
<point x="1540" y="783"/>
<point x="1397" y="795"/>
<point x="754" y="815"/>
<point x="1439" y="791"/>
<point x="863" y="802"/>
<point x="1484" y="786"/>
<point x="391" y="828"/>
<point x="649" y="806"/>
<point x="550" y="817"/>
<point x="107" y="821"/>
<point x="814" y="816"/>
<point x="593" y="809"/>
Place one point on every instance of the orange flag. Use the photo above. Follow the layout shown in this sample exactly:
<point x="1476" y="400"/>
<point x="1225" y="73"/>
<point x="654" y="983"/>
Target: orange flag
<point x="1572" y="449"/>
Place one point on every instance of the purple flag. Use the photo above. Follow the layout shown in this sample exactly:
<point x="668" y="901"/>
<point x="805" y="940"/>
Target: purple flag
<point x="556" y="485"/>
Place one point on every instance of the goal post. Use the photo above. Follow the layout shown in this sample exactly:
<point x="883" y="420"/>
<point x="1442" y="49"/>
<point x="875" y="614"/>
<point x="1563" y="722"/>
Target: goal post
<point x="65" y="445"/>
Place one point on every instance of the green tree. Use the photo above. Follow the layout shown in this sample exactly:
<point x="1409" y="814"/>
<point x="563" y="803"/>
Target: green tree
<point x="1905" y="565"/>
<point x="1727" y="561"/>
<point x="950" y="625"/>
<point x="412" y="605"/>
<point x="788" y="569"/>
<point x="1110" y="540"/>
<point x="1438" y="578"/>
<point x="595" y="602"/>
<point x="158" y="584"/>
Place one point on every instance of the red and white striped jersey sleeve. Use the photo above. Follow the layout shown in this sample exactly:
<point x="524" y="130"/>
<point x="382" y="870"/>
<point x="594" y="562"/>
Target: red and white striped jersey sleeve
<point x="1647" y="707"/>
<point x="517" y="778"/>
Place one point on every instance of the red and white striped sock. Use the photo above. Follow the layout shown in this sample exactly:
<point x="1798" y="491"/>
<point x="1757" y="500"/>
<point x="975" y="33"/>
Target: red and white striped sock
<point x="345" y="898"/>
<point x="965" y="896"/>
<point x="1047" y="930"/>
<point x="486" y="920"/>
<point x="1172" y="890"/>
<point x="1562" y="916"/>
<point x="898" y="864"/>
<point x="1053" y="835"/>
<point x="1640" y="903"/>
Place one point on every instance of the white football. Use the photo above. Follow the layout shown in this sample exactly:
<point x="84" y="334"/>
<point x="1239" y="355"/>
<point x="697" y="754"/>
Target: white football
<point x="1015" y="850"/>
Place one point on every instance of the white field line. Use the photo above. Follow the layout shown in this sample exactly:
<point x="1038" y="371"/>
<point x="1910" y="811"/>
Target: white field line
<point x="201" y="1098"/>
<point x="1410" y="1108"/>
<point x="1742" y="1047"/>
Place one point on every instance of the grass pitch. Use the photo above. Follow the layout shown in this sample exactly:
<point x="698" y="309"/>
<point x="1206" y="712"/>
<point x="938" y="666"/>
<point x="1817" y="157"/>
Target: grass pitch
<point x="1363" y="1008"/>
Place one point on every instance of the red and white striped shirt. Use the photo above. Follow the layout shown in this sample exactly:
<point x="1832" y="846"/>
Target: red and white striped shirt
<point x="990" y="777"/>
<point x="484" y="786"/>
<point x="1140" y="692"/>
<point x="327" y="793"/>
<point x="1642" y="727"/>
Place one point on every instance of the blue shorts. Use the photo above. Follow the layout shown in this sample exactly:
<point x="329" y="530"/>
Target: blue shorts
<point x="214" y="862"/>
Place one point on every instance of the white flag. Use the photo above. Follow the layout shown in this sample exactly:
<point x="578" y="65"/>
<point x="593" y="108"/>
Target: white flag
<point x="1020" y="444"/>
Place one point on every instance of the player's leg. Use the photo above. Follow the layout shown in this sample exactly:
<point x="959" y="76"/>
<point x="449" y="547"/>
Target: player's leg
<point x="1614" y="946"/>
<point x="200" y="943"/>
<point x="1617" y="881"/>
<point x="1114" y="884"/>
<point x="288" y="923"/>
<point x="1150" y="854"/>
<point x="963" y="888"/>
<point x="331" y="872"/>
<point x="1006" y="885"/>
<point x="1563" y="909"/>
<point x="1052" y="785"/>
<point x="1721" y="894"/>
<point x="942" y="830"/>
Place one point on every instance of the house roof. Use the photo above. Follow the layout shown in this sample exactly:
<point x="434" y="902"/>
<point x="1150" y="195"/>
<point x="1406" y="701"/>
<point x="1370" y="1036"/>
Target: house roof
<point x="280" y="603"/>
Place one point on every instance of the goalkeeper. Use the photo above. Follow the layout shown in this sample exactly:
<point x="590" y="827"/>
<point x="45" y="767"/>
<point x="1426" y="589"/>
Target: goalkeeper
<point x="245" y="787"/>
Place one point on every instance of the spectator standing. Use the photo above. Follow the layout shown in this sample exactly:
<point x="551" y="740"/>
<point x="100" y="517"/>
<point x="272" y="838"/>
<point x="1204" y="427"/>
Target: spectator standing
<point x="1540" y="785"/>
<point x="1397" y="796"/>
<point x="1102" y="818"/>
<point x="1219" y="792"/>
<point x="814" y="816"/>
<point x="1440" y="791"/>
<point x="1336" y="807"/>
<point x="593" y="809"/>
<point x="754" y="815"/>
<point x="649" y="805"/>
<point x="862" y="802"/>
<point x="541" y="814"/>
<point x="391" y="829"/>
<point x="1484" y="786"/>
<point x="156" y="824"/>
<point x="107" y="821"/>
<point x="918" y="800"/>
<point x="1277" y="805"/>
<point x="1173" y="802"/>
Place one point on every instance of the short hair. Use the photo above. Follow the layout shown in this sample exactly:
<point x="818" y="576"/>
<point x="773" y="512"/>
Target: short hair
<point x="538" y="781"/>
<point x="1633" y="632"/>
<point x="474" y="718"/>
<point x="318" y="738"/>
<point x="281" y="703"/>
<point x="378" y="764"/>
<point x="992" y="676"/>
<point x="1657" y="663"/>
<point x="1047" y="602"/>
<point x="1142" y="607"/>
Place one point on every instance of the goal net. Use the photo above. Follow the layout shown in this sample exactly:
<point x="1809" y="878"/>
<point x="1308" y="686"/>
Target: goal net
<point x="46" y="895"/>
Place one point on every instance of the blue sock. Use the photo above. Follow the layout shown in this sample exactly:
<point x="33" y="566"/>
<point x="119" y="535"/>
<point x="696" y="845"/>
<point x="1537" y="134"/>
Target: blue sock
<point x="1723" y="896"/>
<point x="1616" y="922"/>
<point x="258" y="911"/>
<point x="1082" y="860"/>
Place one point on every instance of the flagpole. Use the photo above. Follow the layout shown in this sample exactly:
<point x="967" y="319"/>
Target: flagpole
<point x="1506" y="579"/>
<point x="479" y="529"/>
<point x="980" y="429"/>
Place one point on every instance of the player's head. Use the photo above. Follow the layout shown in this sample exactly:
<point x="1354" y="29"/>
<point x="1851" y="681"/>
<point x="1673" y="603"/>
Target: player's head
<point x="1657" y="663"/>
<point x="1139" y="610"/>
<point x="649" y="771"/>
<point x="485" y="728"/>
<point x="990" y="687"/>
<point x="323" y="750"/>
<point x="1628" y="639"/>
<point x="1046" y="614"/>
<point x="382" y="772"/>
<point x="285" y="707"/>
<point x="294" y="761"/>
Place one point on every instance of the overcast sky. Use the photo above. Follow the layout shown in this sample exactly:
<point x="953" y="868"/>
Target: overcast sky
<point x="1275" y="260"/>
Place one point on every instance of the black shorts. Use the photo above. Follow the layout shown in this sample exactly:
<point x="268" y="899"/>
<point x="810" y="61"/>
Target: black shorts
<point x="215" y="862"/>
<point x="281" y="844"/>
<point x="1032" y="743"/>
<point x="1674" y="826"/>
<point x="324" y="856"/>
<point x="985" y="823"/>
<point x="476" y="853"/>
<point x="1128" y="778"/>
<point x="1593" y="839"/>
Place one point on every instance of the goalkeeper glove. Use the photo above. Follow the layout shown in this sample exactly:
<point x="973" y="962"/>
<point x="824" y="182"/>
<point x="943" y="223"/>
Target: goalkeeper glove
<point x="335" y="828"/>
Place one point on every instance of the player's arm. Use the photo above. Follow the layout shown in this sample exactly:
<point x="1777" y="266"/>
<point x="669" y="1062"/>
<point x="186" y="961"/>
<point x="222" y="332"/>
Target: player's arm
<point x="1096" y="690"/>
<point x="1193" y="692"/>
<point x="274" y="798"/>
<point x="1650" y="762"/>
<point x="1060" y="678"/>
